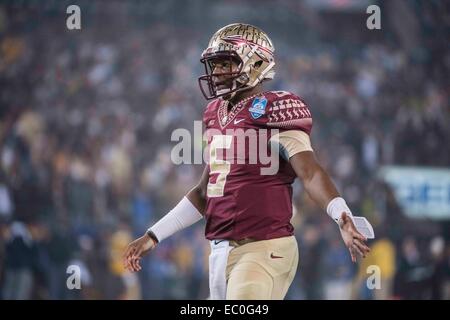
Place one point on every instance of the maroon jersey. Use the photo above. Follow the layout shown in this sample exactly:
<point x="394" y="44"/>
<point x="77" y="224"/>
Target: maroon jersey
<point x="242" y="202"/>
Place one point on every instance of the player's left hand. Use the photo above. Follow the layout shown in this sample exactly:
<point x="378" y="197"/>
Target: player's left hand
<point x="354" y="240"/>
<point x="135" y="251"/>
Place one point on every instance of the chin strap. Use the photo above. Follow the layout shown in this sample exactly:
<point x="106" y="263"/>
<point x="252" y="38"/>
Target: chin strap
<point x="229" y="93"/>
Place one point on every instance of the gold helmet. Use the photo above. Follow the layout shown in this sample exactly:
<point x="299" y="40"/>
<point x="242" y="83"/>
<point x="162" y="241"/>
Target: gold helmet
<point x="247" y="46"/>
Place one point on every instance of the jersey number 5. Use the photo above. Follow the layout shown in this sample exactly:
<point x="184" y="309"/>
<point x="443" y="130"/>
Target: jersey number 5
<point x="222" y="167"/>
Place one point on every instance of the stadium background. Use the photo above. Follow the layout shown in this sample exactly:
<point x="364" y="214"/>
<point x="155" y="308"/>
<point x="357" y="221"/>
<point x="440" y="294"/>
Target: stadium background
<point x="86" y="117"/>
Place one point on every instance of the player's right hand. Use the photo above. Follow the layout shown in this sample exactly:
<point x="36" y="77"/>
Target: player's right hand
<point x="353" y="239"/>
<point x="135" y="251"/>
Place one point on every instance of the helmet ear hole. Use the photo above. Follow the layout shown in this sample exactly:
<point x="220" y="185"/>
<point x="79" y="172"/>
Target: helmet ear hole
<point x="257" y="64"/>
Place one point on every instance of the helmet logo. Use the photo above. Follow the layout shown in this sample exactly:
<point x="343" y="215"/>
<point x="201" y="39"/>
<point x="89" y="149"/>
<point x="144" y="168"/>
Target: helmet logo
<point x="236" y="40"/>
<point x="239" y="41"/>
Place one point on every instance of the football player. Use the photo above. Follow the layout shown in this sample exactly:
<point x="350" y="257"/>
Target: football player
<point x="254" y="253"/>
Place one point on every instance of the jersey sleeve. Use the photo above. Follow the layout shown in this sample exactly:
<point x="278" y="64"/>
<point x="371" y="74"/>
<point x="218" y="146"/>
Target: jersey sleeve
<point x="291" y="116"/>
<point x="287" y="111"/>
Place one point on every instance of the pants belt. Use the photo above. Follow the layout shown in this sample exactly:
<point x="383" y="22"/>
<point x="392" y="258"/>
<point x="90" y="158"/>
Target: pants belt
<point x="238" y="243"/>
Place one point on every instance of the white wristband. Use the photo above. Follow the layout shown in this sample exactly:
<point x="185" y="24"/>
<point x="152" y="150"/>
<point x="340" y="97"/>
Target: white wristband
<point x="182" y="216"/>
<point x="335" y="208"/>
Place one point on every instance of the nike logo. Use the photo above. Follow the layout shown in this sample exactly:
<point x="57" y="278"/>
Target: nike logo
<point x="275" y="257"/>
<point x="236" y="121"/>
<point x="216" y="242"/>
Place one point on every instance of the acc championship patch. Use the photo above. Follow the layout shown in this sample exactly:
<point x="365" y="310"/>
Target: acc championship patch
<point x="258" y="107"/>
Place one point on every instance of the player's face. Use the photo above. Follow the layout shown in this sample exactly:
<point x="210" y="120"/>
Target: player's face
<point x="221" y="70"/>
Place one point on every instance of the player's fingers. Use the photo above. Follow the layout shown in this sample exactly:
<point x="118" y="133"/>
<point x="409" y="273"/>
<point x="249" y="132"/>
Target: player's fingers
<point x="128" y="264"/>
<point x="135" y="257"/>
<point x="125" y="262"/>
<point x="127" y="255"/>
<point x="129" y="258"/>
<point x="129" y="251"/>
<point x="132" y="263"/>
<point x="352" y="254"/>
<point x="361" y="246"/>
<point x="357" y="250"/>
<point x="135" y="263"/>
<point x="359" y="236"/>
<point x="138" y="262"/>
<point x="138" y="252"/>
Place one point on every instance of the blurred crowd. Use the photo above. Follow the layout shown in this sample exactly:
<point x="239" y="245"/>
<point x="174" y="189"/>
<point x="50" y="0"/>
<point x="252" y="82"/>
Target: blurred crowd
<point x="85" y="124"/>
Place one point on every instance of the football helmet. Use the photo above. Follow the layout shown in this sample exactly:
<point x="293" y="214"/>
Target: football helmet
<point x="247" y="46"/>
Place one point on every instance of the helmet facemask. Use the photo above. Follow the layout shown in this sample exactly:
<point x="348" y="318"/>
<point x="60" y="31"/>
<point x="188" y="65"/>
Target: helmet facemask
<point x="233" y="80"/>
